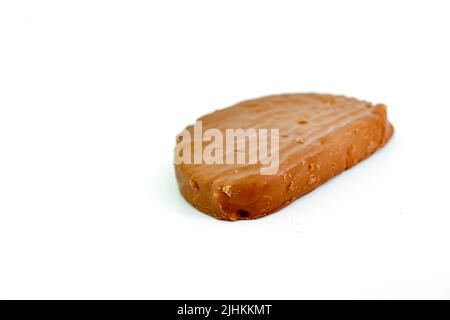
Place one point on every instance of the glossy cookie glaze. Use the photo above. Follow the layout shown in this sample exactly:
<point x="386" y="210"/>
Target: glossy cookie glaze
<point x="319" y="137"/>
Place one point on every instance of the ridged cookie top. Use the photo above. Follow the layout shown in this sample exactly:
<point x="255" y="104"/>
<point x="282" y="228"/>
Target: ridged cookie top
<point x="302" y="119"/>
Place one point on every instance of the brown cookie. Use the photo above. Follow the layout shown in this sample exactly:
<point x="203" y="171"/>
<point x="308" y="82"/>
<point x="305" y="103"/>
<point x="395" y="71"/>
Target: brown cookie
<point x="319" y="137"/>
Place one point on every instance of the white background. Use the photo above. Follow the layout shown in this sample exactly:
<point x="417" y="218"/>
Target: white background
<point x="93" y="93"/>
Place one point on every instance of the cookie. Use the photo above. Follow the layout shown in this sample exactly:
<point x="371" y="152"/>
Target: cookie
<point x="254" y="158"/>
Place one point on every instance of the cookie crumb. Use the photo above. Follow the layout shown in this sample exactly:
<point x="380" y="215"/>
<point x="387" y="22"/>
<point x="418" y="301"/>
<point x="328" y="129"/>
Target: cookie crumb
<point x="227" y="190"/>
<point x="193" y="184"/>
